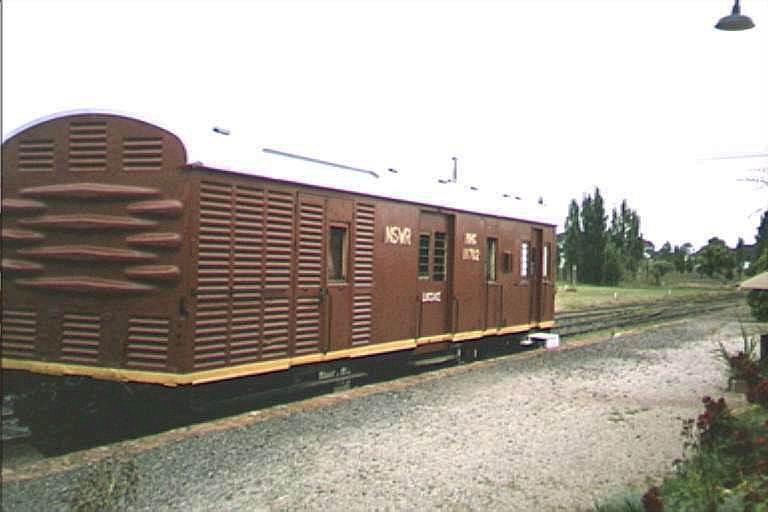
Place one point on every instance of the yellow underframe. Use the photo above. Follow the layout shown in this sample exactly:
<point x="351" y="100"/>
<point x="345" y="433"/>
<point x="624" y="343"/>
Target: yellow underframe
<point x="231" y="372"/>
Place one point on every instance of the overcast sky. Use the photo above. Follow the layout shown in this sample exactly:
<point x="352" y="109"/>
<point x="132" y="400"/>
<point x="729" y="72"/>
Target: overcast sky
<point x="539" y="97"/>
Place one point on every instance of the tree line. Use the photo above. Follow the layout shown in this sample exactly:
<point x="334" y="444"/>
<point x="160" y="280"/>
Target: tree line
<point x="602" y="253"/>
<point x="596" y="251"/>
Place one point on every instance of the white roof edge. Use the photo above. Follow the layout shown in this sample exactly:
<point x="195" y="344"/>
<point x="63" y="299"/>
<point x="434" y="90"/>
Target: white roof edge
<point x="240" y="154"/>
<point x="84" y="111"/>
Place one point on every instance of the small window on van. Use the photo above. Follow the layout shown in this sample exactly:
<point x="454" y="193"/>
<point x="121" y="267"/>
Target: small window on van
<point x="424" y="243"/>
<point x="438" y="262"/>
<point x="506" y="262"/>
<point x="524" y="254"/>
<point x="337" y="254"/>
<point x="490" y="259"/>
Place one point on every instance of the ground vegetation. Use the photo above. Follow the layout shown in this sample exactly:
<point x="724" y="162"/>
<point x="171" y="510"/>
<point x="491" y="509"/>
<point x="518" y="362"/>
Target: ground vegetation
<point x="724" y="465"/>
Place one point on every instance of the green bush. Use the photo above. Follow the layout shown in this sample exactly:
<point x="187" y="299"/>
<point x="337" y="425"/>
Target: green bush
<point x="744" y="365"/>
<point x="758" y="299"/>
<point x="625" y="502"/>
<point x="758" y="303"/>
<point x="725" y="465"/>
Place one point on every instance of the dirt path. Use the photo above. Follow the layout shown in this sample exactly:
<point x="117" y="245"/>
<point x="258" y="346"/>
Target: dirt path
<point x="551" y="431"/>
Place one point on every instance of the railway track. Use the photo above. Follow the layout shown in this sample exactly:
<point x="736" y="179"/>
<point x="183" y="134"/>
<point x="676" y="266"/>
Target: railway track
<point x="599" y="319"/>
<point x="569" y="324"/>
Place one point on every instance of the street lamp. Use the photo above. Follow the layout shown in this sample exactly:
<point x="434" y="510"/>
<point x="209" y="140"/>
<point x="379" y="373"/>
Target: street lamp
<point x="735" y="21"/>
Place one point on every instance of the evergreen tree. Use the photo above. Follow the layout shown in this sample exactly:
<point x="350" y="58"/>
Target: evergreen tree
<point x="626" y="238"/>
<point x="761" y="238"/>
<point x="616" y="231"/>
<point x="571" y="244"/>
<point x="635" y="246"/>
<point x="585" y="253"/>
<point x="593" y="221"/>
<point x="612" y="269"/>
<point x="758" y="299"/>
<point x="587" y="237"/>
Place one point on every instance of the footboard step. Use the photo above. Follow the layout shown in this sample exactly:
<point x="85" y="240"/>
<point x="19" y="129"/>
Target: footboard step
<point x="545" y="339"/>
<point x="434" y="360"/>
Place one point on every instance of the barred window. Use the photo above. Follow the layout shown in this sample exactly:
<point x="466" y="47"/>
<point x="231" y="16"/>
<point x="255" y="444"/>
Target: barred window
<point x="439" y="261"/>
<point x="424" y="243"/>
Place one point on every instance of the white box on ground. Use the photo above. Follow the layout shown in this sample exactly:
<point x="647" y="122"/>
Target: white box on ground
<point x="549" y="340"/>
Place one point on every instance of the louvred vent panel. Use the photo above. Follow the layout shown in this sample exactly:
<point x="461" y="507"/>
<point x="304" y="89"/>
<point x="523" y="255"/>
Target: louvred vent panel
<point x="311" y="245"/>
<point x="245" y="247"/>
<point x="245" y="344"/>
<point x="80" y="337"/>
<point x="214" y="249"/>
<point x="276" y="328"/>
<point x="147" y="346"/>
<point x="248" y="253"/>
<point x="211" y="336"/>
<point x="36" y="155"/>
<point x="361" y="319"/>
<point x="214" y="243"/>
<point x="308" y="320"/>
<point x="365" y="215"/>
<point x="142" y="153"/>
<point x="279" y="240"/>
<point x="247" y="276"/>
<point x="308" y="325"/>
<point x="19" y="332"/>
<point x="88" y="146"/>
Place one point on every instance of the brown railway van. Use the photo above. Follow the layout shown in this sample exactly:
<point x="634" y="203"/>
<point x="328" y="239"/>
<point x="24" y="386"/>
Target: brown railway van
<point x="124" y="259"/>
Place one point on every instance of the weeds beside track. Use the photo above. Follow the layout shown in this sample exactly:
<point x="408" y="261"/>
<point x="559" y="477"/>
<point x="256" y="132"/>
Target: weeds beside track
<point x="599" y="319"/>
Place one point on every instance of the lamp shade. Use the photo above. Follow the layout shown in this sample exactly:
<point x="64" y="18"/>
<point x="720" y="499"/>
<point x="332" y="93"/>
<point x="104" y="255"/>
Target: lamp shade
<point x="735" y="20"/>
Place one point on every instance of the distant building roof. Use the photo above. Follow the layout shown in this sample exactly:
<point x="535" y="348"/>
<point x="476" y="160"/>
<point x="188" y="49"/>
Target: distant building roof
<point x="759" y="282"/>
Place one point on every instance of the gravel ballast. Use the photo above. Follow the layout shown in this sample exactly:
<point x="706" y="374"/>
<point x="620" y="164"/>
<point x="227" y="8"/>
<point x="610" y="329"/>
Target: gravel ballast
<point x="546" y="431"/>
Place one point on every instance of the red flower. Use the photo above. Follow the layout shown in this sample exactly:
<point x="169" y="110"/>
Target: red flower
<point x="760" y="440"/>
<point x="652" y="501"/>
